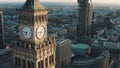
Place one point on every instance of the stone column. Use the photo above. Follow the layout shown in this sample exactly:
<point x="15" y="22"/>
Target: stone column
<point x="44" y="63"/>
<point x="48" y="62"/>
<point x="36" y="64"/>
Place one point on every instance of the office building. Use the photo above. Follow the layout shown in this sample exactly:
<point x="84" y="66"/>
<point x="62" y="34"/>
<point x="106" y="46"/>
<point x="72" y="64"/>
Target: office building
<point x="85" y="21"/>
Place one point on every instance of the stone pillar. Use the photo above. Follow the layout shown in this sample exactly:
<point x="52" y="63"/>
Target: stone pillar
<point x="54" y="57"/>
<point x="34" y="63"/>
<point x="26" y="63"/>
<point x="44" y="63"/>
<point x="48" y="61"/>
<point x="37" y="64"/>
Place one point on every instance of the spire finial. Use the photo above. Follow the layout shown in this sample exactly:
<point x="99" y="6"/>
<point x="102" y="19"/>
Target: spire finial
<point x="32" y="5"/>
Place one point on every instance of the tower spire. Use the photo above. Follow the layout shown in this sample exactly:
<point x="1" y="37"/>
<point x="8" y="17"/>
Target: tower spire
<point x="32" y="5"/>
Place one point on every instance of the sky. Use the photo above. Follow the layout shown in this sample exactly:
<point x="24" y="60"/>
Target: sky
<point x="116" y="2"/>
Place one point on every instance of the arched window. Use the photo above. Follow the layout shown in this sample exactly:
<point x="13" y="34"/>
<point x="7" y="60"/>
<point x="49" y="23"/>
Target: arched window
<point x="27" y="45"/>
<point x="19" y="62"/>
<point x="32" y="64"/>
<point x="39" y="65"/>
<point x="49" y="59"/>
<point x="42" y="64"/>
<point x="46" y="62"/>
<point x="24" y="64"/>
<point x="16" y="61"/>
<point x="52" y="59"/>
<point x="29" y="66"/>
<point x="40" y="18"/>
<point x="46" y="18"/>
<point x="36" y="19"/>
<point x="18" y="44"/>
<point x="22" y="44"/>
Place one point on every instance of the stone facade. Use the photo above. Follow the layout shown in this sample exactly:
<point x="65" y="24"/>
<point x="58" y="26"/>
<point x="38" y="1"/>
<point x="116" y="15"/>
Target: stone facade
<point x="34" y="49"/>
<point x="29" y="55"/>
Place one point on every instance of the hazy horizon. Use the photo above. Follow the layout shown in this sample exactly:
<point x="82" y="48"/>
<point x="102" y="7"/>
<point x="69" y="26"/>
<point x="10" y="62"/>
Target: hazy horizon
<point x="107" y="2"/>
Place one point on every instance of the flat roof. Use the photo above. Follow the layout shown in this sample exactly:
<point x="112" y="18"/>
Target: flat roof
<point x="81" y="46"/>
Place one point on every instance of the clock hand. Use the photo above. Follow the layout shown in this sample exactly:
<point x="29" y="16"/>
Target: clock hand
<point x="25" y="32"/>
<point x="40" y="32"/>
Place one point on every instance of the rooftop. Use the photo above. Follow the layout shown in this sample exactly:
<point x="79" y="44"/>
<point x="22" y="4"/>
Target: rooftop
<point x="62" y="40"/>
<point x="32" y="5"/>
<point x="80" y="49"/>
<point x="112" y="46"/>
<point x="81" y="46"/>
<point x="90" y="60"/>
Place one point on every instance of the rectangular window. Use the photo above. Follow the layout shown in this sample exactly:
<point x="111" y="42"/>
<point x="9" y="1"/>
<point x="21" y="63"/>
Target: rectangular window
<point x="42" y="64"/>
<point x="46" y="62"/>
<point x="39" y="64"/>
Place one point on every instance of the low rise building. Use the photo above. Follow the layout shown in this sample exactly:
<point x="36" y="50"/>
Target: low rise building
<point x="63" y="53"/>
<point x="87" y="57"/>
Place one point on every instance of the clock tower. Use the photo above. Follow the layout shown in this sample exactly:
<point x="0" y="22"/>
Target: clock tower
<point x="34" y="49"/>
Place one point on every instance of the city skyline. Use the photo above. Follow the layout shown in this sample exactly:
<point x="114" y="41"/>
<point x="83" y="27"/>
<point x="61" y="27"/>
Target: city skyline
<point x="112" y="2"/>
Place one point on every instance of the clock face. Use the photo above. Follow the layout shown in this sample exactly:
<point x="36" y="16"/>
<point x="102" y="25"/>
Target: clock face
<point x="26" y="32"/>
<point x="40" y="31"/>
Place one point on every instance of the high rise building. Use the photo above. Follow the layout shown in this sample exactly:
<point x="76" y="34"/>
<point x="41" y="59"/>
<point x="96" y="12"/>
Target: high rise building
<point x="1" y="31"/>
<point x="85" y="21"/>
<point x="34" y="49"/>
